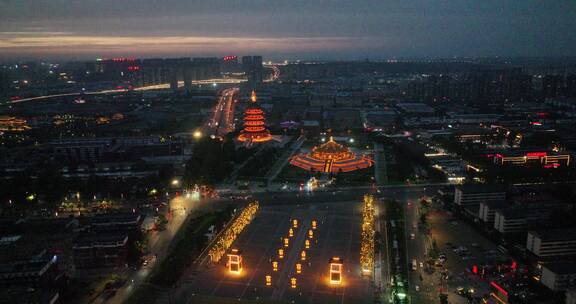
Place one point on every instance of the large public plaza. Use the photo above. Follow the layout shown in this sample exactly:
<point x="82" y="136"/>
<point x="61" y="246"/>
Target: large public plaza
<point x="337" y="234"/>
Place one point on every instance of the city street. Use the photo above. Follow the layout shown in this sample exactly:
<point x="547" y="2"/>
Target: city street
<point x="417" y="247"/>
<point x="222" y="120"/>
<point x="158" y="244"/>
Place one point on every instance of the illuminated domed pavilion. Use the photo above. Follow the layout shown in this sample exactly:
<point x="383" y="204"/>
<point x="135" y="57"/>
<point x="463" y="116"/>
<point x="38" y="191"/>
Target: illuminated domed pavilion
<point x="254" y="124"/>
<point x="331" y="157"/>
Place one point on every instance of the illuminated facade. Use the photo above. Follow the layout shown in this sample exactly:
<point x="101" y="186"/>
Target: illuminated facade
<point x="547" y="160"/>
<point x="331" y="157"/>
<point x="8" y="123"/>
<point x="254" y="124"/>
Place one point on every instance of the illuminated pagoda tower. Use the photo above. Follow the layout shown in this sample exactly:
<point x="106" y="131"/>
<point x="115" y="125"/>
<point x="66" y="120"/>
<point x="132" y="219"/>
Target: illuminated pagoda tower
<point x="331" y="157"/>
<point x="254" y="124"/>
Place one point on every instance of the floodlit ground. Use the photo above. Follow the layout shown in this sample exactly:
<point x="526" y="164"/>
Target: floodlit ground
<point x="338" y="234"/>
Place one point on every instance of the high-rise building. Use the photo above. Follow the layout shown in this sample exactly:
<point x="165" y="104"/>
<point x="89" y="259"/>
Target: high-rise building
<point x="4" y="85"/>
<point x="499" y="85"/>
<point x="571" y="85"/>
<point x="551" y="85"/>
<point x="252" y="66"/>
<point x="154" y="71"/>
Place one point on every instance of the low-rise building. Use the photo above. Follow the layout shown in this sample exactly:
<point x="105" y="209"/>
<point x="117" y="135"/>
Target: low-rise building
<point x="476" y="194"/>
<point x="558" y="276"/>
<point x="100" y="250"/>
<point x="487" y="211"/>
<point x="35" y="272"/>
<point x="571" y="295"/>
<point x="517" y="220"/>
<point x="113" y="221"/>
<point x="552" y="243"/>
<point x="24" y="295"/>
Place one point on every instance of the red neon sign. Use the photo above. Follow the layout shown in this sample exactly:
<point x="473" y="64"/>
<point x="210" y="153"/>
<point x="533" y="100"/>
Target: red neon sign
<point x="536" y="154"/>
<point x="123" y="59"/>
<point x="499" y="288"/>
<point x="475" y="269"/>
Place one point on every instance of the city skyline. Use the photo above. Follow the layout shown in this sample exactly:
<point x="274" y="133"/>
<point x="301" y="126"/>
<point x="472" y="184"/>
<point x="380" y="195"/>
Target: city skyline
<point x="258" y="151"/>
<point x="299" y="29"/>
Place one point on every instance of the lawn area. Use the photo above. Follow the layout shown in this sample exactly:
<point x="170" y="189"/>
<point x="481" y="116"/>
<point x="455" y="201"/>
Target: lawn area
<point x="360" y="177"/>
<point x="143" y="295"/>
<point x="292" y="173"/>
<point x="85" y="292"/>
<point x="187" y="246"/>
<point x="261" y="164"/>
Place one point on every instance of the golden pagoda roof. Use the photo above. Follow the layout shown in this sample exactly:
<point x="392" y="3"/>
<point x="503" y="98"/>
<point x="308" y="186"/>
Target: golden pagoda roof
<point x="331" y="147"/>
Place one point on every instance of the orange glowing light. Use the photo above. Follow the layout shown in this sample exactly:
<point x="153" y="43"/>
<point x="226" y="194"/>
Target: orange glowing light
<point x="281" y="253"/>
<point x="303" y="255"/>
<point x="286" y="241"/>
<point x="235" y="262"/>
<point x="291" y="232"/>
<point x="311" y="234"/>
<point x="293" y="282"/>
<point x="298" y="268"/>
<point x="313" y="224"/>
<point x="254" y="124"/>
<point x="307" y="244"/>
<point x="275" y="266"/>
<point x="268" y="280"/>
<point x="295" y="223"/>
<point x="331" y="157"/>
<point x="335" y="271"/>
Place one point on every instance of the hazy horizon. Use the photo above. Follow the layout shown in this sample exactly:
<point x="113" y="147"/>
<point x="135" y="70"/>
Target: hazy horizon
<point x="322" y="29"/>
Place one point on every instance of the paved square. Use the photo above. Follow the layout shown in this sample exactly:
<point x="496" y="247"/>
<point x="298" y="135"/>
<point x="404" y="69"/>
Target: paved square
<point x="337" y="234"/>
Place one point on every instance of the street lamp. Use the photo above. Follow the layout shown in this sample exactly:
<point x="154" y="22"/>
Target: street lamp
<point x="175" y="182"/>
<point x="197" y="134"/>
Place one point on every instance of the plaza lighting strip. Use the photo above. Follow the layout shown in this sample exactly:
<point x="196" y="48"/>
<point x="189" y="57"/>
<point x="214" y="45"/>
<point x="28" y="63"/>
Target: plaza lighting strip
<point x="367" y="242"/>
<point x="232" y="231"/>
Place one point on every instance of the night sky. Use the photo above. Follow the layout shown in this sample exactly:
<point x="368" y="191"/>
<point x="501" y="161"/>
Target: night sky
<point x="322" y="29"/>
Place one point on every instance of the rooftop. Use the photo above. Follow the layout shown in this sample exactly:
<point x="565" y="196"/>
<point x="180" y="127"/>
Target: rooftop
<point x="96" y="240"/>
<point x="561" y="268"/>
<point x="481" y="188"/>
<point x="559" y="234"/>
<point x="415" y="108"/>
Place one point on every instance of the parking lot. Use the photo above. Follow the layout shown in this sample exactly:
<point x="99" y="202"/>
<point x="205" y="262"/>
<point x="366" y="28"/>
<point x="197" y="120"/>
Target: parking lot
<point x="337" y="235"/>
<point x="463" y="247"/>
